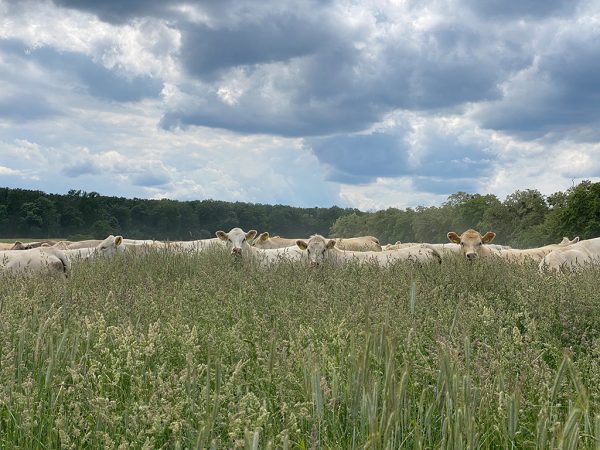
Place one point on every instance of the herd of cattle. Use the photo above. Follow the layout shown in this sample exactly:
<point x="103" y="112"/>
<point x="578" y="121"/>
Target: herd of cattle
<point x="568" y="255"/>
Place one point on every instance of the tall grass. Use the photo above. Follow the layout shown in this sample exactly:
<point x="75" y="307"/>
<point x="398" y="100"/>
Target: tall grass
<point x="199" y="351"/>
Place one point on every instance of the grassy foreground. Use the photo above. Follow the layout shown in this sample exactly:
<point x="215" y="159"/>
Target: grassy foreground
<point x="180" y="351"/>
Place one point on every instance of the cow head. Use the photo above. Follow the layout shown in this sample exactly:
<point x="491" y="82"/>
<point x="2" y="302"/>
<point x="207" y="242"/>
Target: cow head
<point x="236" y="240"/>
<point x="261" y="238"/>
<point x="18" y="245"/>
<point x="472" y="243"/>
<point x="111" y="246"/>
<point x="316" y="248"/>
<point x="566" y="241"/>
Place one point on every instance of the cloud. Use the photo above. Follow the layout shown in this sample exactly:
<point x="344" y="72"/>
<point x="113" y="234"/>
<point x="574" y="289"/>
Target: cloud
<point x="96" y="79"/>
<point x="367" y="104"/>
<point x="249" y="77"/>
<point x="116" y="11"/>
<point x="439" y="154"/>
<point x="206" y="52"/>
<point x="137" y="171"/>
<point x="25" y="107"/>
<point x="502" y="9"/>
<point x="558" y="97"/>
<point x="4" y="171"/>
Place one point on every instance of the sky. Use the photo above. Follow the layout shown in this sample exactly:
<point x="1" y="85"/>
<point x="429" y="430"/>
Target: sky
<point x="356" y="103"/>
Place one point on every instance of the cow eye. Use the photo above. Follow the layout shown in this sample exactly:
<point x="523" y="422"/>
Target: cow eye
<point x="480" y="244"/>
<point x="462" y="244"/>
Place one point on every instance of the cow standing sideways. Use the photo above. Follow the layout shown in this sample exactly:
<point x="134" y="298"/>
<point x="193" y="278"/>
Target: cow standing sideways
<point x="572" y="257"/>
<point x="107" y="248"/>
<point x="533" y="254"/>
<point x="357" y="244"/>
<point x="319" y="250"/>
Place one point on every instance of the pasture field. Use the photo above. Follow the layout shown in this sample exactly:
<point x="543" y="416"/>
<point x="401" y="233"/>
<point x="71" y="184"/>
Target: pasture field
<point x="200" y="351"/>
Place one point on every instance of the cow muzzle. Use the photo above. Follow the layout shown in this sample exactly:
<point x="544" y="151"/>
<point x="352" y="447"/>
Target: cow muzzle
<point x="236" y="252"/>
<point x="471" y="256"/>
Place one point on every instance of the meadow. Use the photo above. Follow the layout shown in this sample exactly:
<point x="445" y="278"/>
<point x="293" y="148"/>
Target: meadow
<point x="201" y="351"/>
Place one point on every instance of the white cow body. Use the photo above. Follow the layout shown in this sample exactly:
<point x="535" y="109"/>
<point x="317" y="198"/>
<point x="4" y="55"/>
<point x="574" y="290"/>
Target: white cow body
<point x="319" y="250"/>
<point x="90" y="243"/>
<point x="36" y="260"/>
<point x="533" y="254"/>
<point x="358" y="244"/>
<point x="572" y="257"/>
<point x="109" y="247"/>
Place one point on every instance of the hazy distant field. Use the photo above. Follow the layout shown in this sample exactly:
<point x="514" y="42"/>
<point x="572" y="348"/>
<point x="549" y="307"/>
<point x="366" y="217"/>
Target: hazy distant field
<point x="180" y="351"/>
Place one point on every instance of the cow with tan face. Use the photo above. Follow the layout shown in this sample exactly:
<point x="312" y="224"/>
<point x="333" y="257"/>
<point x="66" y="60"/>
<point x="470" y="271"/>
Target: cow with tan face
<point x="265" y="241"/>
<point x="472" y="244"/>
<point x="359" y="244"/>
<point x="320" y="250"/>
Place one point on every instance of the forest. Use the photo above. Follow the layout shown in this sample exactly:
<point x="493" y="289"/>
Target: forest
<point x="523" y="219"/>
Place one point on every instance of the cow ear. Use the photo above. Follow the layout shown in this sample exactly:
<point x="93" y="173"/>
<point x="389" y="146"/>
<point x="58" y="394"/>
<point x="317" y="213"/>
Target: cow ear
<point x="118" y="240"/>
<point x="575" y="240"/>
<point x="251" y="234"/>
<point x="453" y="237"/>
<point x="330" y="244"/>
<point x="488" y="237"/>
<point x="221" y="235"/>
<point x="301" y="244"/>
<point x="263" y="236"/>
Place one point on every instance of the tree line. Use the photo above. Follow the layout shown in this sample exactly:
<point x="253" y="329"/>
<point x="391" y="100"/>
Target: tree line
<point x="525" y="218"/>
<point x="83" y="215"/>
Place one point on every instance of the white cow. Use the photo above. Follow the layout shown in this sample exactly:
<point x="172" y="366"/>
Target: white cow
<point x="109" y="247"/>
<point x="35" y="260"/>
<point x="238" y="242"/>
<point x="572" y="257"/>
<point x="358" y="244"/>
<point x="319" y="250"/>
<point x="533" y="254"/>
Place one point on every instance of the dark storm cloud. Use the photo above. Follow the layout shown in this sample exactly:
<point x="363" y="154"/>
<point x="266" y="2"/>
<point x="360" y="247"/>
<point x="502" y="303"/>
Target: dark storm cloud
<point x="119" y="11"/>
<point x="360" y="159"/>
<point x="206" y="51"/>
<point x="96" y="79"/>
<point x="560" y="98"/>
<point x="335" y="86"/>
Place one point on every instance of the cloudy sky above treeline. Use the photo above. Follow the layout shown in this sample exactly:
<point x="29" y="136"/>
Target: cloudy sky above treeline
<point x="367" y="103"/>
